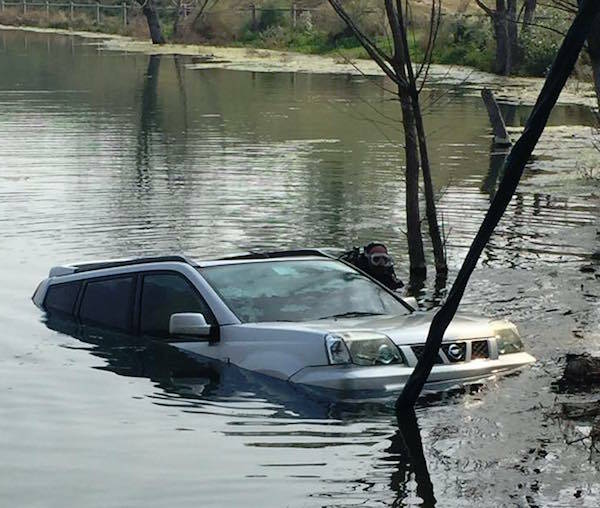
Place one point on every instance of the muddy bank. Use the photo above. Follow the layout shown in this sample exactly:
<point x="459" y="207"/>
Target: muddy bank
<point x="516" y="90"/>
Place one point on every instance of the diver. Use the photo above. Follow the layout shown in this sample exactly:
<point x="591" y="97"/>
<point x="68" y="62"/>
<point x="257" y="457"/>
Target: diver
<point x="374" y="260"/>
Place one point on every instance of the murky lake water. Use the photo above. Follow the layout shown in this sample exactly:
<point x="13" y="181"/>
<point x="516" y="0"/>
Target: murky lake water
<point x="108" y="155"/>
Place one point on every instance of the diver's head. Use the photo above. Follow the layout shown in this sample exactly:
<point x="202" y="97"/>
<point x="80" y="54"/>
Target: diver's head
<point x="378" y="257"/>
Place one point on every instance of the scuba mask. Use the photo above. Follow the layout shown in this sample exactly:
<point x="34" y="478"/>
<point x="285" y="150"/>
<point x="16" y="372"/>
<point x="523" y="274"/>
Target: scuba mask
<point x="380" y="260"/>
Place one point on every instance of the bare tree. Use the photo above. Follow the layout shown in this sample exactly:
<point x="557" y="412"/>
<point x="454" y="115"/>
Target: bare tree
<point x="513" y="170"/>
<point x="149" y="10"/>
<point x="505" y="33"/>
<point x="398" y="67"/>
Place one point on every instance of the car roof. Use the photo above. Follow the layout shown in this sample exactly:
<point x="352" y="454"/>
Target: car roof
<point x="238" y="261"/>
<point x="248" y="257"/>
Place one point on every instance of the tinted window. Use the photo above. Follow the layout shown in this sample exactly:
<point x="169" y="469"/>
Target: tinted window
<point x="298" y="290"/>
<point x="165" y="294"/>
<point x="61" y="297"/>
<point x="108" y="302"/>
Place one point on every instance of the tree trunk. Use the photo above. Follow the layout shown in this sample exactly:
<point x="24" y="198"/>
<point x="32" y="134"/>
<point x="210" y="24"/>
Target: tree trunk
<point x="441" y="267"/>
<point x="593" y="41"/>
<point x="149" y="10"/>
<point x="513" y="33"/>
<point x="503" y="63"/>
<point x="529" y="14"/>
<point x="596" y="69"/>
<point x="416" y="253"/>
<point x="513" y="170"/>
<point x="177" y="16"/>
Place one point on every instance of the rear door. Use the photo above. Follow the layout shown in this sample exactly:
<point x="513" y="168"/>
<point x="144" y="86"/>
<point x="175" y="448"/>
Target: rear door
<point x="107" y="302"/>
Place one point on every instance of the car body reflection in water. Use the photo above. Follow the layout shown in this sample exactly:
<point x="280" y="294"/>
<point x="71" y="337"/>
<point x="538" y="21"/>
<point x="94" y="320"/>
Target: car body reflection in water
<point x="196" y="385"/>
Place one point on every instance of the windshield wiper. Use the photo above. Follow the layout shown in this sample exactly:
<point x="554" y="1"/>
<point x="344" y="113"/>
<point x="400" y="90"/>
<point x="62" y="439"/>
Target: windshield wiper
<point x="351" y="314"/>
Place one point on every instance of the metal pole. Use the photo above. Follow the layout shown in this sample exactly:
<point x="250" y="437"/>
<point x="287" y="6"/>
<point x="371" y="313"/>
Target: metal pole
<point x="97" y="13"/>
<point x="124" y="14"/>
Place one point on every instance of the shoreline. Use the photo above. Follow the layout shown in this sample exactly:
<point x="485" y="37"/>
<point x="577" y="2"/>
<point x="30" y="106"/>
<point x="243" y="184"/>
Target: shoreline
<point x="513" y="90"/>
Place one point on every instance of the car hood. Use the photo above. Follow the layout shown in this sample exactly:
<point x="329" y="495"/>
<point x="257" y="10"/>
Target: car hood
<point x="409" y="329"/>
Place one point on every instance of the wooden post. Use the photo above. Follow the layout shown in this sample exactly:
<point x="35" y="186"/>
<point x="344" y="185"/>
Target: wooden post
<point x="2" y="5"/>
<point x="294" y="15"/>
<point x="501" y="137"/>
<point x="71" y="10"/>
<point x="47" y="9"/>
<point x="124" y="14"/>
<point x="97" y="13"/>
<point x="24" y="6"/>
<point x="253" y="11"/>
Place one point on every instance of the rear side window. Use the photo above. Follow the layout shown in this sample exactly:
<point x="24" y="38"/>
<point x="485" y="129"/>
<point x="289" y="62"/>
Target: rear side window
<point x="164" y="294"/>
<point x="61" y="297"/>
<point x="108" y="302"/>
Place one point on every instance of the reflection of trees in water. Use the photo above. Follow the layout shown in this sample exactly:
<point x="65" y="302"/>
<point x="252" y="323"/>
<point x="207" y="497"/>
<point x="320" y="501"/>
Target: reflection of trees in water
<point x="509" y="113"/>
<point x="517" y="230"/>
<point x="408" y="446"/>
<point x="492" y="177"/>
<point x="149" y="119"/>
<point x="180" y="74"/>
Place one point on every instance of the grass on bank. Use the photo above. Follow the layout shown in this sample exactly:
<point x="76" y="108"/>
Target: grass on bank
<point x="462" y="40"/>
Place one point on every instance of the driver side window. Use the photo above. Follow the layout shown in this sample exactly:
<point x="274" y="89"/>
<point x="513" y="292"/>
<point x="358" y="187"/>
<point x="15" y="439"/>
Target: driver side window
<point x="164" y="294"/>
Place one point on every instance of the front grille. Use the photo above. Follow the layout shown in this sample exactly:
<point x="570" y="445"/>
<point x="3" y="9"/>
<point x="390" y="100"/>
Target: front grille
<point x="479" y="349"/>
<point x="455" y="352"/>
<point x="420" y="349"/>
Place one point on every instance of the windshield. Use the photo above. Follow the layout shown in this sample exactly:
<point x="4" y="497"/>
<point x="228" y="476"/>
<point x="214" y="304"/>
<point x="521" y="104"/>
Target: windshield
<point x="298" y="290"/>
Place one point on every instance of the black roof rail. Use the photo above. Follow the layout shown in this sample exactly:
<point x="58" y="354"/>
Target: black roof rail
<point x="87" y="267"/>
<point x="277" y="254"/>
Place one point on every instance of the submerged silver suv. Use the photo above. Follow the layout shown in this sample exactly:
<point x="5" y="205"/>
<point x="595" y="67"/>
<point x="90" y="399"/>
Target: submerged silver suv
<point x="300" y="316"/>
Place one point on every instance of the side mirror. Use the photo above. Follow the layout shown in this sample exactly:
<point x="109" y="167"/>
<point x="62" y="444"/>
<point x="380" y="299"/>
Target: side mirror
<point x="412" y="301"/>
<point x="189" y="323"/>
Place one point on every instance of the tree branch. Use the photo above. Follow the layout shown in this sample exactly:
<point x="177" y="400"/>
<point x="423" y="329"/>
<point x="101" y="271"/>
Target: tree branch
<point x="430" y="46"/>
<point x="487" y="10"/>
<point x="374" y="52"/>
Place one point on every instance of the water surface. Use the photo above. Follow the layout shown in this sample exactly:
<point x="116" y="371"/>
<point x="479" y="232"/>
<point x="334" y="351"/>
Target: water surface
<point x="109" y="154"/>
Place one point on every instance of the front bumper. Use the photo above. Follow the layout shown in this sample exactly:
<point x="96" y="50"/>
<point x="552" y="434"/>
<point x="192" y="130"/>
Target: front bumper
<point x="391" y="378"/>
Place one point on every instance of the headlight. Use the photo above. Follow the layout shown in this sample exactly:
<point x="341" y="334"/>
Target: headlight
<point x="507" y="336"/>
<point x="361" y="348"/>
